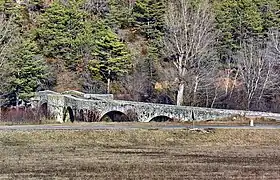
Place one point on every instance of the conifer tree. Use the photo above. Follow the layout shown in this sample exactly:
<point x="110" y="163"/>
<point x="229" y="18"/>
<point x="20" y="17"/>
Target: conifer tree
<point x="8" y="7"/>
<point x="111" y="58"/>
<point x="120" y="14"/>
<point x="9" y="38"/>
<point x="29" y="69"/>
<point x="243" y="20"/>
<point x="149" y="17"/>
<point x="149" y="20"/>
<point x="61" y="32"/>
<point x="18" y="12"/>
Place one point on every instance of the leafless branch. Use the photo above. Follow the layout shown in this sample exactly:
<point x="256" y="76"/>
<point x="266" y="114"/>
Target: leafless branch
<point x="257" y="70"/>
<point x="189" y="40"/>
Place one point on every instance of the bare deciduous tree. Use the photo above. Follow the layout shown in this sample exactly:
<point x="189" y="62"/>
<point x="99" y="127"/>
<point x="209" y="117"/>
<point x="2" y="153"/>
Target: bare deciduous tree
<point x="189" y="41"/>
<point x="99" y="7"/>
<point x="274" y="35"/>
<point x="256" y="66"/>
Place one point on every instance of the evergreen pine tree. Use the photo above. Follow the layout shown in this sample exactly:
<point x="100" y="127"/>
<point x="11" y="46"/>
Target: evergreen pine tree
<point x="61" y="32"/>
<point x="111" y="58"/>
<point x="149" y="17"/>
<point x="29" y="70"/>
<point x="244" y="19"/>
<point x="149" y="20"/>
<point x="11" y="9"/>
<point x="120" y="14"/>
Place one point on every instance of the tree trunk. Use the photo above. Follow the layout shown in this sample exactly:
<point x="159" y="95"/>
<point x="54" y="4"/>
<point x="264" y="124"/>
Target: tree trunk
<point x="108" y="85"/>
<point x="193" y="103"/>
<point x="17" y="103"/>
<point x="180" y="94"/>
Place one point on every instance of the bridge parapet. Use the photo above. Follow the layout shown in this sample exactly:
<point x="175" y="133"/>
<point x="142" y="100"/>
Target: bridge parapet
<point x="79" y="94"/>
<point x="99" y="96"/>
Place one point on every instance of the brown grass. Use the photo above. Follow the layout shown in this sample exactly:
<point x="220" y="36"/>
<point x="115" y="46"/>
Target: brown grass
<point x="240" y="120"/>
<point x="230" y="121"/>
<point x="140" y="154"/>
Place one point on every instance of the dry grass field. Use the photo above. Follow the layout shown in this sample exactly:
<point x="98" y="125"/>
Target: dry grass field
<point x="140" y="154"/>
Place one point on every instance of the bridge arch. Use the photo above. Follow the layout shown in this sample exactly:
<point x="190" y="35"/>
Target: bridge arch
<point x="43" y="110"/>
<point x="42" y="101"/>
<point x="160" y="118"/>
<point x="81" y="115"/>
<point x="115" y="116"/>
<point x="68" y="114"/>
<point x="92" y="115"/>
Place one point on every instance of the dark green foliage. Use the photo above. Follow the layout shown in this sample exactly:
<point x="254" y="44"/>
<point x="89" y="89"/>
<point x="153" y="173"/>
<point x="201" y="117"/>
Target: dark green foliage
<point x="9" y="34"/>
<point x="149" y="17"/>
<point x="11" y="9"/>
<point x="62" y="32"/>
<point x="111" y="57"/>
<point x="244" y="19"/>
<point x="269" y="10"/>
<point x="8" y="7"/>
<point x="237" y="20"/>
<point x="149" y="21"/>
<point x="29" y="69"/>
<point x="120" y="14"/>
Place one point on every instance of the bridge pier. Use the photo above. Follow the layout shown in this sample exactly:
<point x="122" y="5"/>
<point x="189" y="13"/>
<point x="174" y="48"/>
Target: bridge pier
<point x="59" y="115"/>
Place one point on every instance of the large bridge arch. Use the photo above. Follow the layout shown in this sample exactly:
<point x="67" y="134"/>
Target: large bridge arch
<point x="161" y="118"/>
<point x="114" y="116"/>
<point x="43" y="101"/>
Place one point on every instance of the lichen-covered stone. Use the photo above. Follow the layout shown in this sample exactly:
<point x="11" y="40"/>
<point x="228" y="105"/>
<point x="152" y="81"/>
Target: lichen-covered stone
<point x="99" y="105"/>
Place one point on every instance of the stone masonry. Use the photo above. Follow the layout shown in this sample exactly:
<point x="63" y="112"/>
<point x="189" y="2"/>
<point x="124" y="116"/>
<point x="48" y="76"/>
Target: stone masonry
<point x="74" y="105"/>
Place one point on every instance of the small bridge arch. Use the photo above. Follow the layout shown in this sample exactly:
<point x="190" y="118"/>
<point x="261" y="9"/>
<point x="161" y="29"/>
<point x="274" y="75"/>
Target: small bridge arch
<point x="68" y="114"/>
<point x="81" y="115"/>
<point x="43" y="110"/>
<point x="87" y="115"/>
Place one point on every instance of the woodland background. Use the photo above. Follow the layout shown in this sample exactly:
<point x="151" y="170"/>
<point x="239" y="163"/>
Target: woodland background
<point x="209" y="53"/>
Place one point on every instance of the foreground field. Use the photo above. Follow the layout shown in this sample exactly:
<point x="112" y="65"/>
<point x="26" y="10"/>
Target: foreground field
<point x="140" y="154"/>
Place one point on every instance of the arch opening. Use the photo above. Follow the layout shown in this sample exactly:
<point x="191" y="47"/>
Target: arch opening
<point x="43" y="111"/>
<point x="68" y="115"/>
<point x="161" y="119"/>
<point x="81" y="116"/>
<point x="92" y="115"/>
<point x="115" y="116"/>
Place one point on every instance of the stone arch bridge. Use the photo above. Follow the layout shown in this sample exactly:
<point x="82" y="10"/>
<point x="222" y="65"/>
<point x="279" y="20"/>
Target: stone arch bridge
<point x="74" y="105"/>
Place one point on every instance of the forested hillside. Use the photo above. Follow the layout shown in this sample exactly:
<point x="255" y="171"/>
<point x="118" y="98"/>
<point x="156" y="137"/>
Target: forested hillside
<point x="210" y="53"/>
